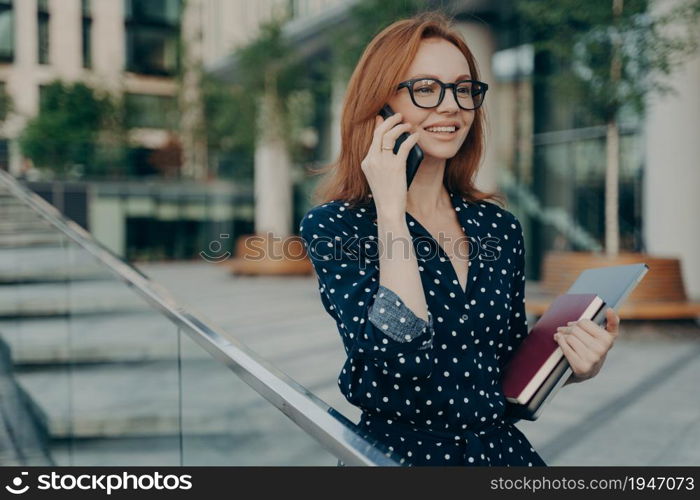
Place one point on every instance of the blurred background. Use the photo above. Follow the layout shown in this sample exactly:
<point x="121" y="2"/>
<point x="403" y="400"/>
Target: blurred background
<point x="148" y="148"/>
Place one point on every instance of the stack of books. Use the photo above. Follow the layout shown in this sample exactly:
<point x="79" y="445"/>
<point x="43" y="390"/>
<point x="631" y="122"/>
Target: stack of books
<point x="539" y="368"/>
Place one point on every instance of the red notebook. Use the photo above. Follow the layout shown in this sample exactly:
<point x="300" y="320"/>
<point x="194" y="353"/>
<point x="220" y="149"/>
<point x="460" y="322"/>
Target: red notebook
<point x="539" y="353"/>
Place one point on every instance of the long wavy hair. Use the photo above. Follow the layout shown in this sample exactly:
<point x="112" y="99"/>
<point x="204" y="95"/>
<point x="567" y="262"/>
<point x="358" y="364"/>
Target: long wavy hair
<point x="373" y="82"/>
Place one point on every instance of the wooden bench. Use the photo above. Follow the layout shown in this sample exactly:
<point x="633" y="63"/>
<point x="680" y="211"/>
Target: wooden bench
<point x="659" y="296"/>
<point x="257" y="255"/>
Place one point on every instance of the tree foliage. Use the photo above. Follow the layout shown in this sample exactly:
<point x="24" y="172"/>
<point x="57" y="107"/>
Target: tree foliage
<point x="66" y="130"/>
<point x="587" y="44"/>
<point x="269" y="63"/>
<point x="232" y="110"/>
<point x="367" y="19"/>
<point x="5" y="104"/>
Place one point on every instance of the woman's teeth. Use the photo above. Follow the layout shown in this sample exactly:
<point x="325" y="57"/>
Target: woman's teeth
<point x="441" y="129"/>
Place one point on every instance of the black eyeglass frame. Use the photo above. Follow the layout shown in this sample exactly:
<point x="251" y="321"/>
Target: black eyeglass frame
<point x="409" y="85"/>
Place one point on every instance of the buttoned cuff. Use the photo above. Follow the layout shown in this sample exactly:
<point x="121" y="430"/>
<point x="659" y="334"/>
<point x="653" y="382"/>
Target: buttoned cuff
<point x="393" y="318"/>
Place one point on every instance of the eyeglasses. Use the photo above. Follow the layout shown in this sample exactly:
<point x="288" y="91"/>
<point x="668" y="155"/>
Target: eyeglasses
<point x="429" y="92"/>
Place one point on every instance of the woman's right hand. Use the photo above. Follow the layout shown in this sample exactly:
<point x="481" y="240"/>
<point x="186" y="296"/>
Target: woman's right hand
<point x="386" y="171"/>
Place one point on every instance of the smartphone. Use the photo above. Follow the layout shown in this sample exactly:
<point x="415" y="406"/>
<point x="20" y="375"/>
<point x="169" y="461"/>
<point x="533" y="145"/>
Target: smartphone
<point x="415" y="156"/>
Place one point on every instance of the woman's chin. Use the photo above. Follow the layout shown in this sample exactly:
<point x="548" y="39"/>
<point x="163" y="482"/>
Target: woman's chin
<point x="444" y="152"/>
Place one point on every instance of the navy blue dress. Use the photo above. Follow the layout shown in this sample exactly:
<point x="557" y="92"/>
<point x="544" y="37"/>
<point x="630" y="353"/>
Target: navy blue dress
<point x="430" y="391"/>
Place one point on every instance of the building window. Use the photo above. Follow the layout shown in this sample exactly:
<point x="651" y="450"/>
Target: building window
<point x="7" y="32"/>
<point x="87" y="33"/>
<point x="4" y="143"/>
<point x="152" y="35"/>
<point x="42" y="98"/>
<point x="43" y="18"/>
<point x="4" y="154"/>
<point x="293" y="8"/>
<point x="151" y="111"/>
<point x="5" y="102"/>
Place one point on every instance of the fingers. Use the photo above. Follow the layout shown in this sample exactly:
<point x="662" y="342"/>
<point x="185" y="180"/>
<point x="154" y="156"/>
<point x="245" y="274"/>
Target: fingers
<point x="590" y="341"/>
<point x="571" y="355"/>
<point x="578" y="346"/>
<point x="602" y="334"/>
<point x="613" y="321"/>
<point x="392" y="135"/>
<point x="406" y="146"/>
<point x="580" y="365"/>
<point x="382" y="127"/>
<point x="586" y="344"/>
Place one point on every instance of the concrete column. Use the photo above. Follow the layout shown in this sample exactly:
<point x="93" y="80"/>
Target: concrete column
<point x="21" y="81"/>
<point x="192" y="109"/>
<point x="273" y="184"/>
<point x="22" y="85"/>
<point x="339" y="86"/>
<point x="109" y="42"/>
<point x="15" y="158"/>
<point x="481" y="41"/>
<point x="25" y="33"/>
<point x="65" y="38"/>
<point x="672" y="174"/>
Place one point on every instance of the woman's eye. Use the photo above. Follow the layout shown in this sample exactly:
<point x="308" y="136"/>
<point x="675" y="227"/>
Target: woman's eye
<point x="424" y="90"/>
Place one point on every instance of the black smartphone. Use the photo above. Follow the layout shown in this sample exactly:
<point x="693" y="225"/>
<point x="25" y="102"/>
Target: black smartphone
<point x="415" y="156"/>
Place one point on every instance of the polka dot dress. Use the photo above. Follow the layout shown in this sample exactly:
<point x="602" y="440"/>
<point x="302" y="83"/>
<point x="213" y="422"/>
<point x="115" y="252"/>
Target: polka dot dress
<point x="429" y="390"/>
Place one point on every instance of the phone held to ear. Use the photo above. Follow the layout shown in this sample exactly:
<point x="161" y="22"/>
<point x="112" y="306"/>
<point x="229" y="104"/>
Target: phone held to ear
<point x="415" y="156"/>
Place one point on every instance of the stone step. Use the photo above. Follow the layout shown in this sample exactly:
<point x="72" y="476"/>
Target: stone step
<point x="46" y="264"/>
<point x="18" y="213"/>
<point x="32" y="239"/>
<point x="23" y="440"/>
<point x="73" y="298"/>
<point x="100" y="338"/>
<point x="283" y="444"/>
<point x="8" y="200"/>
<point x="144" y="336"/>
<point x="136" y="399"/>
<point x="23" y="226"/>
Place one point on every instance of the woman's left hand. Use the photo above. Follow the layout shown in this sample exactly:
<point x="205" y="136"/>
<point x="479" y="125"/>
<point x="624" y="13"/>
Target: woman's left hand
<point x="585" y="344"/>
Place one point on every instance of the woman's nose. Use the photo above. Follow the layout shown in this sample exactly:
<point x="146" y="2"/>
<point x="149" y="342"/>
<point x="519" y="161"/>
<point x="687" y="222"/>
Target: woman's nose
<point x="449" y="102"/>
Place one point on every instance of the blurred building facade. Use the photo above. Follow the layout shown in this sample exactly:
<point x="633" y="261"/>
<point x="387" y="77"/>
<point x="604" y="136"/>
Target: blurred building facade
<point x="127" y="48"/>
<point x="550" y="164"/>
<point x="150" y="53"/>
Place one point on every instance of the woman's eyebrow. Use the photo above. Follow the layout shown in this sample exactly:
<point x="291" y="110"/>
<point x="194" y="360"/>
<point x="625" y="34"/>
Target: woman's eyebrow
<point x="460" y="77"/>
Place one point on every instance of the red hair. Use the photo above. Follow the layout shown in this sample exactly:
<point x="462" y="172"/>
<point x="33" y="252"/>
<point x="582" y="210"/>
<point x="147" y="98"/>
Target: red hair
<point x="373" y="82"/>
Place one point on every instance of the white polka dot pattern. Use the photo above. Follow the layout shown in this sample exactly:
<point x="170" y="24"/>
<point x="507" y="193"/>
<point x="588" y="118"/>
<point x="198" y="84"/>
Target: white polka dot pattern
<point x="438" y="379"/>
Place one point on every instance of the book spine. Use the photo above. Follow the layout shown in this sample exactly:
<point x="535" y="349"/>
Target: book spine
<point x="593" y="308"/>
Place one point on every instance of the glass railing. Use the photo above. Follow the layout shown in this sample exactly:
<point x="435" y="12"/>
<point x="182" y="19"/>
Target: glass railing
<point x="99" y="365"/>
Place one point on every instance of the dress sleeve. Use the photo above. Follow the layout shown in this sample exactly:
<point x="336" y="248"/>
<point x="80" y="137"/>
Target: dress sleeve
<point x="517" y="321"/>
<point x="374" y="322"/>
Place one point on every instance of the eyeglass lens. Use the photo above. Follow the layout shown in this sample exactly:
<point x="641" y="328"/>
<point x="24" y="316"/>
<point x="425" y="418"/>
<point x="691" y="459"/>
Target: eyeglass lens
<point x="426" y="93"/>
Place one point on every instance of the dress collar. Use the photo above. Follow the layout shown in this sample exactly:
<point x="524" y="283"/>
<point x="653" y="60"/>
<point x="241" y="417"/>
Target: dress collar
<point x="467" y="215"/>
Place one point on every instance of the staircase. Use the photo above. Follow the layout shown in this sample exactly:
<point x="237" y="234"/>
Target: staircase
<point x="96" y="376"/>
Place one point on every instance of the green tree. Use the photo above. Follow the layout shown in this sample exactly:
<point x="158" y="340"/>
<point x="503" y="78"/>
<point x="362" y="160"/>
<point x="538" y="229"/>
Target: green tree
<point x="65" y="133"/>
<point x="611" y="54"/>
<point x="5" y="103"/>
<point x="268" y="70"/>
<point x="229" y="115"/>
<point x="268" y="65"/>
<point x="369" y="17"/>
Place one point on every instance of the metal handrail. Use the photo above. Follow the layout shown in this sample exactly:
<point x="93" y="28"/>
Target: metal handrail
<point x="333" y="431"/>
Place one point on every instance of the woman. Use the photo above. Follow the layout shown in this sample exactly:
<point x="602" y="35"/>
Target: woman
<point x="427" y="284"/>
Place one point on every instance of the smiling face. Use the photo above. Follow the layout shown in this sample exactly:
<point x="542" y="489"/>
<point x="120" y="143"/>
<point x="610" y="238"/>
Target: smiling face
<point x="440" y="59"/>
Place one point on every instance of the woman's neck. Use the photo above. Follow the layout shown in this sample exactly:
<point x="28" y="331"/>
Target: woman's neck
<point x="427" y="195"/>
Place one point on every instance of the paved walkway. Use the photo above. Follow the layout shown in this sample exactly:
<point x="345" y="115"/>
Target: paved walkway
<point x="643" y="408"/>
